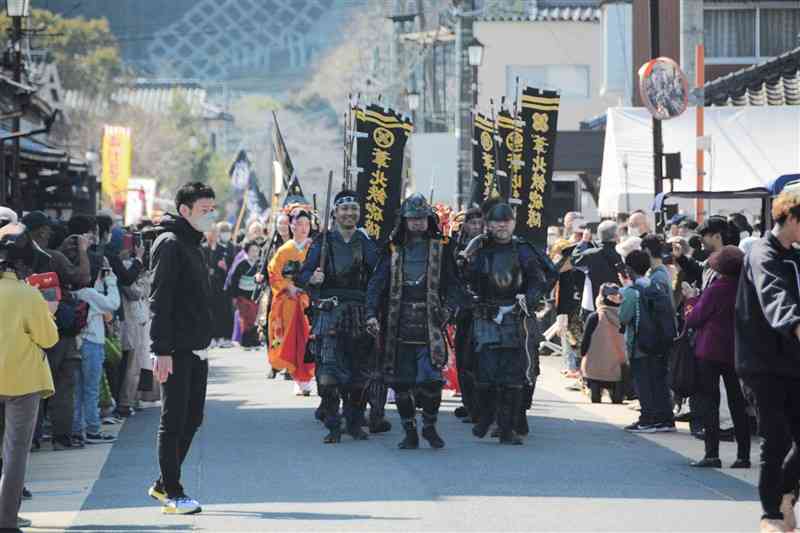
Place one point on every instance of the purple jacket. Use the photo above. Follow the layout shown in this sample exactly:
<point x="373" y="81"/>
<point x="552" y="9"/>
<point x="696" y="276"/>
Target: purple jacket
<point x="713" y="316"/>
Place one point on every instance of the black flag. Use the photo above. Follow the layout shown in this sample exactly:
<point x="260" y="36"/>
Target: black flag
<point x="244" y="179"/>
<point x="239" y="171"/>
<point x="282" y="154"/>
<point x="508" y="140"/>
<point x="381" y="145"/>
<point x="540" y="116"/>
<point x="483" y="160"/>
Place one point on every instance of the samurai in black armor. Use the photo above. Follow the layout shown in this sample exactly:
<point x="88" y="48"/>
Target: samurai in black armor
<point x="410" y="299"/>
<point x="507" y="276"/>
<point x="342" y="349"/>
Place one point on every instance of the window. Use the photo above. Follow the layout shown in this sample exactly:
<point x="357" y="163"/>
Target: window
<point x="746" y="34"/>
<point x="779" y="31"/>
<point x="571" y="80"/>
<point x="730" y="33"/>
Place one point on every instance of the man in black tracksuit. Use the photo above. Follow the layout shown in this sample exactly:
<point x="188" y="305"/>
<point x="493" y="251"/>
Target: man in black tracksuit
<point x="768" y="357"/>
<point x="180" y="302"/>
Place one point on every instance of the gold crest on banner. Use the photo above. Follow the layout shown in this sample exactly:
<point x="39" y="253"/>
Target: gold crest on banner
<point x="486" y="141"/>
<point x="514" y="141"/>
<point x="383" y="138"/>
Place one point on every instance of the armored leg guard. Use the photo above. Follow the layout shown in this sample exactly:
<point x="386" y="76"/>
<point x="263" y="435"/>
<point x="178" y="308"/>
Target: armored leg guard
<point x="377" y="408"/>
<point x="487" y="401"/>
<point x="354" y="414"/>
<point x="408" y="413"/>
<point x="521" y="416"/>
<point x="431" y="400"/>
<point x="331" y="417"/>
<point x="468" y="396"/>
<point x="411" y="440"/>
<point x="510" y="402"/>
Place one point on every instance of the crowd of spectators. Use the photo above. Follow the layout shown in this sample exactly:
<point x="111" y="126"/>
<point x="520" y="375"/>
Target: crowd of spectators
<point x="625" y="298"/>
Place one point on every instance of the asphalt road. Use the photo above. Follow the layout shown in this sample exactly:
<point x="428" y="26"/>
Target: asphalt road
<point x="258" y="464"/>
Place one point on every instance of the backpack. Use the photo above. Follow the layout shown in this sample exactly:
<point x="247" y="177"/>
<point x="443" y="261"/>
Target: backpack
<point x="657" y="330"/>
<point x="72" y="316"/>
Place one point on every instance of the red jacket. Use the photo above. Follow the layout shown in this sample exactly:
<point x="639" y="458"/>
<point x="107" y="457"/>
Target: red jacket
<point x="713" y="316"/>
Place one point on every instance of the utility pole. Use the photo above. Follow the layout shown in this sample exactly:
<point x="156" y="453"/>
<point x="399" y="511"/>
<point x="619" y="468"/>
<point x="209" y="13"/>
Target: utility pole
<point x="658" y="144"/>
<point x="464" y="72"/>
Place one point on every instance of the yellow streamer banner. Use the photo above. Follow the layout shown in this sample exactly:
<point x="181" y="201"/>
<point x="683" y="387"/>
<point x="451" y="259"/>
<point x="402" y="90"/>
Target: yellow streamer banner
<point x="117" y="155"/>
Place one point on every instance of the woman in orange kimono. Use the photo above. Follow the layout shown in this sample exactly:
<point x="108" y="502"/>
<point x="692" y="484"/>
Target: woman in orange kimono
<point x="288" y="325"/>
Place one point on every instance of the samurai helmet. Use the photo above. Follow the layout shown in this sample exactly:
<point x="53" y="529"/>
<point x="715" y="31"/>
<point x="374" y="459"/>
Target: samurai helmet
<point x="416" y="206"/>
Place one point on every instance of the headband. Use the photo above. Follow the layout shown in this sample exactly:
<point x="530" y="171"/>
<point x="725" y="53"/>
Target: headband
<point x="345" y="200"/>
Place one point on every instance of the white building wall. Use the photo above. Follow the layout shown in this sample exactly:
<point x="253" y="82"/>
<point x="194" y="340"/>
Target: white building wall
<point x="553" y="55"/>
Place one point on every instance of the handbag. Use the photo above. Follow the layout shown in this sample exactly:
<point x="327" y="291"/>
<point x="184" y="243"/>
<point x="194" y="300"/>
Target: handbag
<point x="683" y="366"/>
<point x="48" y="284"/>
<point x="145" y="380"/>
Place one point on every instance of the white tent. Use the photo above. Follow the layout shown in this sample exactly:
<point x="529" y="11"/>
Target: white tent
<point x="749" y="147"/>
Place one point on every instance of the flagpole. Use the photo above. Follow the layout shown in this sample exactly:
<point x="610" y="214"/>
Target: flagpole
<point x="345" y="178"/>
<point x="240" y="217"/>
<point x="352" y="120"/>
<point x="496" y="182"/>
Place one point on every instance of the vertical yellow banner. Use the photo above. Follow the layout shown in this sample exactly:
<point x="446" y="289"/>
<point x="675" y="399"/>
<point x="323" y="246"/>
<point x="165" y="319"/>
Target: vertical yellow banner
<point x="117" y="153"/>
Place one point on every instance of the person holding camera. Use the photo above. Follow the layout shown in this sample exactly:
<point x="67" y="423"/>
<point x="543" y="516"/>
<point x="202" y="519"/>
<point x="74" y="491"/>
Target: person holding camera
<point x="103" y="300"/>
<point x="27" y="329"/>
<point x="181" y="332"/>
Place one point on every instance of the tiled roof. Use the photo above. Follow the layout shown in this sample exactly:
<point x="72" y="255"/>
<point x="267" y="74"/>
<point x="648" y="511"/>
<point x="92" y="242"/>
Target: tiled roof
<point x="568" y="3"/>
<point x="575" y="13"/>
<point x="151" y="98"/>
<point x="775" y="82"/>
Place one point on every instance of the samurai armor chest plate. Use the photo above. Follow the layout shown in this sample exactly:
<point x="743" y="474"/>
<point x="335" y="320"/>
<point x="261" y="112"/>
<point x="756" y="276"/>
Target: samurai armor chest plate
<point x="415" y="271"/>
<point x="347" y="264"/>
<point x="502" y="275"/>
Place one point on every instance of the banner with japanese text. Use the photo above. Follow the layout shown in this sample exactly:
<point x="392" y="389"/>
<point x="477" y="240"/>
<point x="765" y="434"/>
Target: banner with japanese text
<point x="509" y="179"/>
<point x="484" y="155"/>
<point x="381" y="142"/>
<point x="539" y="114"/>
<point x="117" y="154"/>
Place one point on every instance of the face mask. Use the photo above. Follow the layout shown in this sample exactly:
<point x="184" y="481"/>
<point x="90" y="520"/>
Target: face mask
<point x="225" y="237"/>
<point x="634" y="232"/>
<point x="204" y="223"/>
<point x="743" y="235"/>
